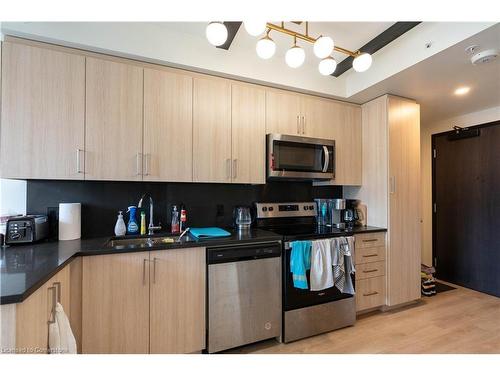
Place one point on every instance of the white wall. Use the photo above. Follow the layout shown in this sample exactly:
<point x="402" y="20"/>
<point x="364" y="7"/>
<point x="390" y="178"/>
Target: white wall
<point x="12" y="197"/>
<point x="426" y="131"/>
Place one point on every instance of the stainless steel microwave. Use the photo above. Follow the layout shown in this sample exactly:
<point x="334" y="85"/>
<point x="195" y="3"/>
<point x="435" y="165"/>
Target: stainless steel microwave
<point x="300" y="158"/>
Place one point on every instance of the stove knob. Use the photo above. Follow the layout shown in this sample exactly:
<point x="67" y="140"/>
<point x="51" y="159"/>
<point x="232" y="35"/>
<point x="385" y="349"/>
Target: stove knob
<point x="306" y="208"/>
<point x="264" y="209"/>
<point x="311" y="207"/>
<point x="271" y="208"/>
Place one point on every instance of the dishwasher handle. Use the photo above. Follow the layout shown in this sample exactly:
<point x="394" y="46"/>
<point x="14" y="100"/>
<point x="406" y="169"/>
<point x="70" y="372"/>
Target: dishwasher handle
<point x="242" y="253"/>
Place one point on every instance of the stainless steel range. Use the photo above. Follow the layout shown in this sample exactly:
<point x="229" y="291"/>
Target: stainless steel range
<point x="305" y="313"/>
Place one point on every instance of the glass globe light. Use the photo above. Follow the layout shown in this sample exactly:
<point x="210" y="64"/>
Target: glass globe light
<point x="323" y="47"/>
<point x="255" y="28"/>
<point x="216" y="33"/>
<point x="327" y="66"/>
<point x="295" y="57"/>
<point x="362" y="62"/>
<point x="265" y="47"/>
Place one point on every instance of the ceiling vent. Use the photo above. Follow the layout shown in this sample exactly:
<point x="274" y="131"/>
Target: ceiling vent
<point x="484" y="57"/>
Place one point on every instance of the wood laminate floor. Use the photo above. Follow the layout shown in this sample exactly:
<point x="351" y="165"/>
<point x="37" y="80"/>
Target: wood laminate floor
<point x="456" y="321"/>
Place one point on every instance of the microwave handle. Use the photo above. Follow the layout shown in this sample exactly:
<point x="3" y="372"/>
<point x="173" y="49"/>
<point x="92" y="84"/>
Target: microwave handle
<point x="327" y="158"/>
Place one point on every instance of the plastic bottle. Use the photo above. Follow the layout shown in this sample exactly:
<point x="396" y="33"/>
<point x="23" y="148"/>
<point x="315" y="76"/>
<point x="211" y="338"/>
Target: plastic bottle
<point x="120" y="228"/>
<point x="132" y="227"/>
<point x="143" y="222"/>
<point x="174" y="226"/>
<point x="183" y="220"/>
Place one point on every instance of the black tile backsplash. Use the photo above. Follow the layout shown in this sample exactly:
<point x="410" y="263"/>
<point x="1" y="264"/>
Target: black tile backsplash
<point x="206" y="204"/>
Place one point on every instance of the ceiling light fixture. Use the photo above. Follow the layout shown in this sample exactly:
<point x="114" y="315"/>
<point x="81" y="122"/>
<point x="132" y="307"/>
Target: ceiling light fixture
<point x="327" y="66"/>
<point x="295" y="56"/>
<point x="265" y="47"/>
<point x="216" y="33"/>
<point x="323" y="46"/>
<point x="462" y="90"/>
<point x="255" y="28"/>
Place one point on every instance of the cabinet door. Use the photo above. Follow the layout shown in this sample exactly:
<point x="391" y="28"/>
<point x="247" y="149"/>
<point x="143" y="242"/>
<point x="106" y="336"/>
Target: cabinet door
<point x="43" y="98"/>
<point x="348" y="145"/>
<point x="33" y="314"/>
<point x="113" y="148"/>
<point x="177" y="301"/>
<point x="404" y="201"/>
<point x="168" y="126"/>
<point x="115" y="303"/>
<point x="283" y="113"/>
<point x="248" y="112"/>
<point x="320" y="117"/>
<point x="211" y="130"/>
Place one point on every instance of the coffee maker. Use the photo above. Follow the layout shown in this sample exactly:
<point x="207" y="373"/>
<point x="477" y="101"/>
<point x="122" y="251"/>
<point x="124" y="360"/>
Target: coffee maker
<point x="330" y="212"/>
<point x="350" y="215"/>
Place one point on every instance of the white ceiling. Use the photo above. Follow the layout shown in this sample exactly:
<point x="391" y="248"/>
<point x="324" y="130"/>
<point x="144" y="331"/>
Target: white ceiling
<point x="432" y="81"/>
<point x="349" y="35"/>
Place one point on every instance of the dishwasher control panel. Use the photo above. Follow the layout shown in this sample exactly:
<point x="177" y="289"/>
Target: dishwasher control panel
<point x="243" y="252"/>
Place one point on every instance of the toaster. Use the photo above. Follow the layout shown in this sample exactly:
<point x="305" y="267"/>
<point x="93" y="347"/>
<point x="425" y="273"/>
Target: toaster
<point x="26" y="229"/>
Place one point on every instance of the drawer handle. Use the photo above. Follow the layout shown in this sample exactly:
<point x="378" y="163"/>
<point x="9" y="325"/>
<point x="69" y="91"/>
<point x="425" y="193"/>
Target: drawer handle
<point x="371" y="240"/>
<point x="369" y="294"/>
<point x="368" y="271"/>
<point x="370" y="255"/>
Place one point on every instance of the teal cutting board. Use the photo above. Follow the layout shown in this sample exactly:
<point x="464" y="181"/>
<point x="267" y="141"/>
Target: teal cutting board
<point x="210" y="232"/>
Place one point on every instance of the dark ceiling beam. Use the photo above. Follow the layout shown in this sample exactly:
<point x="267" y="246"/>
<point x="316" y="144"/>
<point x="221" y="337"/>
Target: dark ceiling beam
<point x="380" y="41"/>
<point x="232" y="29"/>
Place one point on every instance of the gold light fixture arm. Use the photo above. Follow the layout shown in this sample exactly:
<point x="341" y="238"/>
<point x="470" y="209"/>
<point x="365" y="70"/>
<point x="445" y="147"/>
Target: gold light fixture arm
<point x="282" y="29"/>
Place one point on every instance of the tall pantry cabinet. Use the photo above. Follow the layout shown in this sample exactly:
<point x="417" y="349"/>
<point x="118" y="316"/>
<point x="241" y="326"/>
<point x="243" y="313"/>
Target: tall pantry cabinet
<point x="391" y="188"/>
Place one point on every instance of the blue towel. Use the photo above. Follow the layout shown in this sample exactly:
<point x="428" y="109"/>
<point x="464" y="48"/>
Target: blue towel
<point x="210" y="232"/>
<point x="300" y="262"/>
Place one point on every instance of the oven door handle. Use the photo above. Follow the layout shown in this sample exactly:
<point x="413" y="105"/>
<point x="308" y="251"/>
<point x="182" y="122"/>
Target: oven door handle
<point x="327" y="158"/>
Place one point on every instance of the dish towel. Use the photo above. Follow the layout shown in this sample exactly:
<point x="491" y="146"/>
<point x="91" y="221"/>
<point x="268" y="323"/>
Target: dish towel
<point x="321" y="265"/>
<point x="300" y="262"/>
<point x="61" y="338"/>
<point x="343" y="264"/>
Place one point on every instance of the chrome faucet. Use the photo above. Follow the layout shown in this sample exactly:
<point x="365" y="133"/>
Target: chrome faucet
<point x="151" y="226"/>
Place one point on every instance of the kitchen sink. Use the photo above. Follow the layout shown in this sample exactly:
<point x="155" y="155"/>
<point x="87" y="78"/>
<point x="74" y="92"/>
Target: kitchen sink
<point x="145" y="242"/>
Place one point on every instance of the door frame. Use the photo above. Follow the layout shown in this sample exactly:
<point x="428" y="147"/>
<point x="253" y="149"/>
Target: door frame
<point x="433" y="172"/>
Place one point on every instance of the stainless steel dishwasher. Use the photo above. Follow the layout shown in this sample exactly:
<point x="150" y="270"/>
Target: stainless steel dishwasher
<point x="244" y="294"/>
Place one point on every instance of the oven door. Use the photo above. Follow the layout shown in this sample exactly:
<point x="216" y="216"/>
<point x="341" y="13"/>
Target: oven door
<point x="294" y="298"/>
<point x="295" y="157"/>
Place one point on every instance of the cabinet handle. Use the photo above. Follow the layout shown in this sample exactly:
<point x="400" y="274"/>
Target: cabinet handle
<point x="154" y="270"/>
<point x="369" y="294"/>
<point x="138" y="163"/>
<point x="368" y="271"/>
<point x="371" y="240"/>
<point x="392" y="183"/>
<point x="235" y="166"/>
<point x="57" y="285"/>
<point x="303" y="124"/>
<point x="369" y="255"/>
<point x="78" y="163"/>
<point x="144" y="271"/>
<point x="228" y="169"/>
<point x="52" y="316"/>
<point x="147" y="159"/>
<point x="298" y="124"/>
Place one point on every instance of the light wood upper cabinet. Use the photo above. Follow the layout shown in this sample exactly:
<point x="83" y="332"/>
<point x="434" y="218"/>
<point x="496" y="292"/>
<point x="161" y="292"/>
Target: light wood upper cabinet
<point x="283" y="112"/>
<point x="177" y="318"/>
<point x="168" y="126"/>
<point x="248" y="114"/>
<point x="348" y="145"/>
<point x="43" y="99"/>
<point x="320" y="117"/>
<point x="404" y="201"/>
<point x="115" y="303"/>
<point x="33" y="314"/>
<point x="113" y="137"/>
<point x="211" y="130"/>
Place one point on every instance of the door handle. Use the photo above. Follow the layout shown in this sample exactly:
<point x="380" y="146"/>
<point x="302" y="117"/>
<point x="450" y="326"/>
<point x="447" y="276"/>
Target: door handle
<point x="235" y="164"/>
<point x="228" y="169"/>
<point x="369" y="294"/>
<point x="298" y="124"/>
<point x="370" y="255"/>
<point x="58" y="287"/>
<point x="369" y="271"/>
<point x="144" y="271"/>
<point x="303" y="124"/>
<point x="52" y="315"/>
<point x="392" y="183"/>
<point x="327" y="158"/>
<point x="78" y="163"/>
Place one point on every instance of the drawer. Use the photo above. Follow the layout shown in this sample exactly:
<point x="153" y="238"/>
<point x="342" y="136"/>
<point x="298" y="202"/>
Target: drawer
<point x="369" y="254"/>
<point x="370" y="240"/>
<point x="367" y="270"/>
<point x="370" y="293"/>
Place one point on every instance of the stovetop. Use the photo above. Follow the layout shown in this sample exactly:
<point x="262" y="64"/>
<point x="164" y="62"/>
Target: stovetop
<point x="295" y="232"/>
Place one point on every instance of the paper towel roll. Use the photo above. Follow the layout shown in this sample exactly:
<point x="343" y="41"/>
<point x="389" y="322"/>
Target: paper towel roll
<point x="70" y="221"/>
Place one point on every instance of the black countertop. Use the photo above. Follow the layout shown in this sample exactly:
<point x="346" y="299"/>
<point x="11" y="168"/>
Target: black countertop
<point x="24" y="268"/>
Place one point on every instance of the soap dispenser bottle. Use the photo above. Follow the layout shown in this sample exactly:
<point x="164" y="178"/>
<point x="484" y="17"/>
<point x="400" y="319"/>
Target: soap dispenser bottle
<point x="120" y="228"/>
<point x="132" y="227"/>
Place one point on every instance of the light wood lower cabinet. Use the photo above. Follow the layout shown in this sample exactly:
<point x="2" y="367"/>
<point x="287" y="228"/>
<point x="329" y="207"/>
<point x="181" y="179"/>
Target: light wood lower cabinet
<point x="148" y="302"/>
<point x="43" y="118"/>
<point x="115" y="301"/>
<point x="33" y="314"/>
<point x="177" y="307"/>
